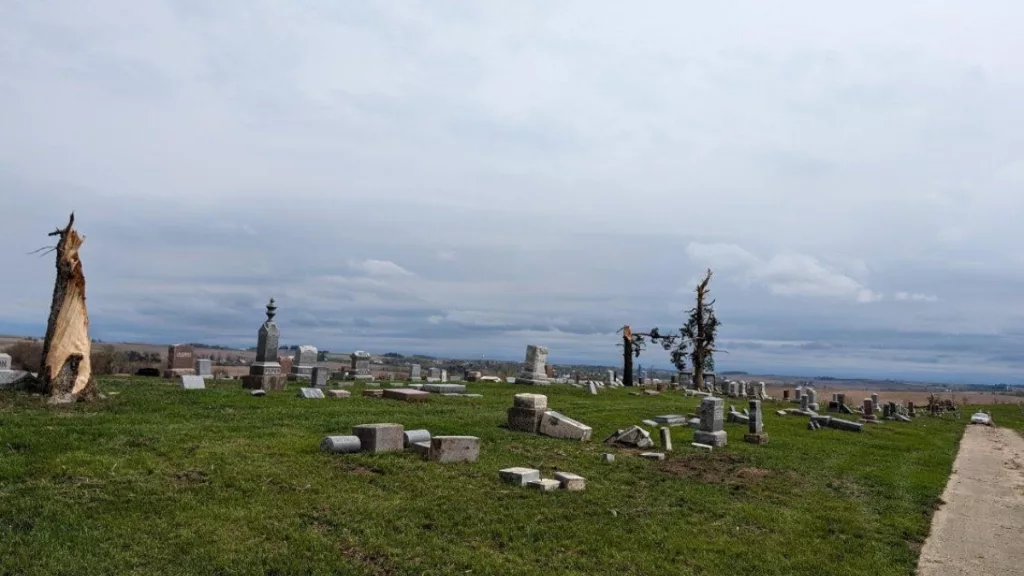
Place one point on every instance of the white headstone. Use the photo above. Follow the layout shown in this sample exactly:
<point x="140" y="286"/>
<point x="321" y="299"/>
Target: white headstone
<point x="193" y="383"/>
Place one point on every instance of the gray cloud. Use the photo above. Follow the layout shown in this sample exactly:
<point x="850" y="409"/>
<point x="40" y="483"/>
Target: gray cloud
<point x="465" y="179"/>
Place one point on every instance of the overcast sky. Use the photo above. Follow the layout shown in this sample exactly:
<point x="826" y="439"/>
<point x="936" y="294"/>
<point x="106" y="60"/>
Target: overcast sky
<point x="466" y="178"/>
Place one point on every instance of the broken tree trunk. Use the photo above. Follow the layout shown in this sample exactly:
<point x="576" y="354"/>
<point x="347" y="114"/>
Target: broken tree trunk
<point x="66" y="372"/>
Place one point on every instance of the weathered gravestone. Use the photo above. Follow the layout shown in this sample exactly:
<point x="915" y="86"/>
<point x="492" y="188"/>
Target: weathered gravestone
<point x="360" y="368"/>
<point x="204" y="368"/>
<point x="303" y="363"/>
<point x="320" y="376"/>
<point x="265" y="372"/>
<point x="592" y="386"/>
<point x="380" y="437"/>
<point x="454" y="449"/>
<point x="180" y="361"/>
<point x="534" y="373"/>
<point x="311" y="393"/>
<point x="755" y="425"/>
<point x="5" y="361"/>
<point x="527" y="411"/>
<point x="414" y="373"/>
<point x="712" y="423"/>
<point x="191" y="382"/>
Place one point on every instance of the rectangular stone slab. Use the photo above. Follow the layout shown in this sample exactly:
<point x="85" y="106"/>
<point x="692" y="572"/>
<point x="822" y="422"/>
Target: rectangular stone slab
<point x="373" y="393"/>
<point x="406" y="394"/>
<point x="653" y="455"/>
<point x="518" y="475"/>
<point x="544" y="484"/>
<point x="438" y="388"/>
<point x="669" y="419"/>
<point x="716" y="439"/>
<point x="531" y="401"/>
<point x="380" y="437"/>
<point x="193" y="383"/>
<point x="558" y="425"/>
<point x="454" y="449"/>
<point x="311" y="393"/>
<point x="339" y="393"/>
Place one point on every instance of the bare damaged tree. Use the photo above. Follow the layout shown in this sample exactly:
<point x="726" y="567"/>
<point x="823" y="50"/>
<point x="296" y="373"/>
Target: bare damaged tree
<point x="633" y="343"/>
<point x="697" y="336"/>
<point x="66" y="372"/>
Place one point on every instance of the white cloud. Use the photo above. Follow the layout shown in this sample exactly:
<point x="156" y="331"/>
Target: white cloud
<point x="786" y="274"/>
<point x="915" y="297"/>
<point x="379" y="268"/>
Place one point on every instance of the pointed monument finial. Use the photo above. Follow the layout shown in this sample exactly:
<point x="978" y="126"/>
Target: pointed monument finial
<point x="271" y="311"/>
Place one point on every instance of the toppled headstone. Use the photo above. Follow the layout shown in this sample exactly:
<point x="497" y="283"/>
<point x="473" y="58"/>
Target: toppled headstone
<point x="410" y="437"/>
<point x="666" y="439"/>
<point x="544" y="484"/>
<point x="340" y="444"/>
<point x="650" y="423"/>
<point x="454" y="449"/>
<point x="651" y="393"/>
<point x="670" y="419"/>
<point x="608" y="458"/>
<point x="571" y="482"/>
<point x="406" y="394"/>
<point x="192" y="382"/>
<point x="518" y="476"/>
<point x="841" y="424"/>
<point x="633" y="437"/>
<point x="339" y="393"/>
<point x="653" y="455"/>
<point x="373" y="393"/>
<point x="258" y="392"/>
<point x="311" y="393"/>
<point x="444" y="388"/>
<point x="558" y="425"/>
<point x="902" y="418"/>
<point x="592" y="386"/>
<point x="700" y="446"/>
<point x="380" y="437"/>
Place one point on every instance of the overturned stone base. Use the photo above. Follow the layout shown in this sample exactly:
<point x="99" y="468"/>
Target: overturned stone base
<point x="761" y="438"/>
<point x="716" y="439"/>
<point x="454" y="449"/>
<point x="380" y="437"/>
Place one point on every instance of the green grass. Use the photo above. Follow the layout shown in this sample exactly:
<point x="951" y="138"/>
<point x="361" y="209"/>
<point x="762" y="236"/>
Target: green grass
<point x="157" y="480"/>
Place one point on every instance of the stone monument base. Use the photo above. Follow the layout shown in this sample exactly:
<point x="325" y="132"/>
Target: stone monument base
<point x="761" y="438"/>
<point x="264" y="382"/>
<point x="359" y="377"/>
<point x="297" y="377"/>
<point x="716" y="439"/>
<point x="179" y="372"/>
<point x="533" y="379"/>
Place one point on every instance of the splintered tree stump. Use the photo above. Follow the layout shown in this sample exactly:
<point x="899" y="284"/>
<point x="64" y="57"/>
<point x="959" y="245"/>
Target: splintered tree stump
<point x="66" y="372"/>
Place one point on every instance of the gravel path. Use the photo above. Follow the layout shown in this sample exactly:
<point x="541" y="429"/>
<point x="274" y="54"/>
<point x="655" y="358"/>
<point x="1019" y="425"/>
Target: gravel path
<point x="980" y="528"/>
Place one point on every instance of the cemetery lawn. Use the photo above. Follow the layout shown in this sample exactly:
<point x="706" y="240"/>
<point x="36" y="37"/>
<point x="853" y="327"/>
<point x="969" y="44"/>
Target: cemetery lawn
<point x="158" y="480"/>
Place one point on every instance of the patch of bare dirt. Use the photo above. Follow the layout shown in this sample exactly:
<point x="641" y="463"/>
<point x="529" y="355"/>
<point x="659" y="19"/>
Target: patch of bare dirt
<point x="189" y="478"/>
<point x="717" y="468"/>
<point x="977" y="529"/>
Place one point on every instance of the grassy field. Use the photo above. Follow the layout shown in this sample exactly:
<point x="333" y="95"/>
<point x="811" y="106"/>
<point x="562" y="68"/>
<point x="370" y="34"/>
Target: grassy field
<point x="157" y="480"/>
